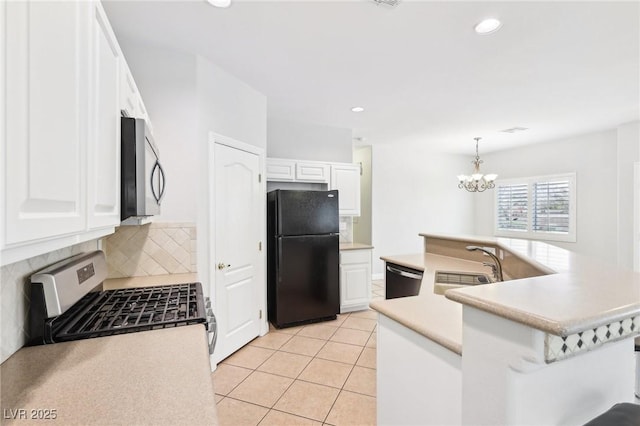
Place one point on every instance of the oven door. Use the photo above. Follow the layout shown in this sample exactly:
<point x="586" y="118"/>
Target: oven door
<point x="154" y="177"/>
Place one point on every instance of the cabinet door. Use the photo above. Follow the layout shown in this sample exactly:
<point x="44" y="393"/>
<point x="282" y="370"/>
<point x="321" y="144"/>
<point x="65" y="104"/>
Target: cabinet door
<point x="281" y="170"/>
<point x="355" y="286"/>
<point x="346" y="179"/>
<point x="355" y="279"/>
<point x="128" y="91"/>
<point x="47" y="79"/>
<point x="312" y="172"/>
<point x="103" y="192"/>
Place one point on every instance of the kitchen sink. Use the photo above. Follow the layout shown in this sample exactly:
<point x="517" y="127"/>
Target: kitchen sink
<point x="447" y="280"/>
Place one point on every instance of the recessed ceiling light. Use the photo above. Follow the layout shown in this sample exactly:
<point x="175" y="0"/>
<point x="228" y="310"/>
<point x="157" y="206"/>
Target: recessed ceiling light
<point x="357" y="109"/>
<point x="488" y="26"/>
<point x="219" y="3"/>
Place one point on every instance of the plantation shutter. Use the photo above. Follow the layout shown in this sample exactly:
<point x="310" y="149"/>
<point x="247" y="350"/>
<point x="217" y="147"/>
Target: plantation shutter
<point x="551" y="202"/>
<point x="512" y="207"/>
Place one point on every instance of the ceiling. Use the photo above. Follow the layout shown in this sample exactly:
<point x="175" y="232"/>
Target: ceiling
<point x="419" y="70"/>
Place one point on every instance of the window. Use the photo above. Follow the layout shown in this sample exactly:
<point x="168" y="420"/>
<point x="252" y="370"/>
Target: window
<point x="541" y="208"/>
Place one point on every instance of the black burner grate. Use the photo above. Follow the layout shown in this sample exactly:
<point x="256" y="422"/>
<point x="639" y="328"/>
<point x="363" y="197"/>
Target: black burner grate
<point x="128" y="310"/>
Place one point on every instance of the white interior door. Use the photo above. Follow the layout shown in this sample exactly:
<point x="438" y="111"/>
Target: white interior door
<point x="238" y="233"/>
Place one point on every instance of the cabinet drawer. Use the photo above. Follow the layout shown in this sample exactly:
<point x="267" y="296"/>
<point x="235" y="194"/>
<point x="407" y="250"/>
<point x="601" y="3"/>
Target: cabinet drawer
<point x="281" y="170"/>
<point x="355" y="256"/>
<point x="312" y="172"/>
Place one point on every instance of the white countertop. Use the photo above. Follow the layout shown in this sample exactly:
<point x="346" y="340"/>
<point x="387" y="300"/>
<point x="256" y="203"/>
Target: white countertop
<point x="355" y="246"/>
<point x="429" y="314"/>
<point x="578" y="294"/>
<point x="153" y="377"/>
<point x="149" y="281"/>
<point x="158" y="377"/>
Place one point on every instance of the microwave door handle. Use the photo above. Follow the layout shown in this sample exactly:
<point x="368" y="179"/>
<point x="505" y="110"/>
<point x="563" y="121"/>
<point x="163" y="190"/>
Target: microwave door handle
<point x="153" y="189"/>
<point x="163" y="182"/>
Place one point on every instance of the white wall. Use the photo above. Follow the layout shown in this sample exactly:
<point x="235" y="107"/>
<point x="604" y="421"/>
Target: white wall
<point x="628" y="154"/>
<point x="362" y="225"/>
<point x="303" y="141"/>
<point x="229" y="107"/>
<point x="593" y="158"/>
<point x="186" y="97"/>
<point x="415" y="190"/>
<point x="167" y="82"/>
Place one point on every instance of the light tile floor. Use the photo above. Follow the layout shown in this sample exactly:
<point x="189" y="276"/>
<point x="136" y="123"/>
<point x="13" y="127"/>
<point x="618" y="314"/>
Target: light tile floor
<point x="317" y="374"/>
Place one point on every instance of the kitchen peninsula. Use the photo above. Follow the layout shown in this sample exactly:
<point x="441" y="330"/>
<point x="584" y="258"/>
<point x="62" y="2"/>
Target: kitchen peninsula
<point x="553" y="344"/>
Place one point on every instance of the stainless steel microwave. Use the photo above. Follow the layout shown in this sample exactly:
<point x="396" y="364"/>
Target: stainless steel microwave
<point x="142" y="176"/>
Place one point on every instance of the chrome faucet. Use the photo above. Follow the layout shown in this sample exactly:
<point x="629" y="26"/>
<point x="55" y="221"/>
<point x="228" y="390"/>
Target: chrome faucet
<point x="496" y="267"/>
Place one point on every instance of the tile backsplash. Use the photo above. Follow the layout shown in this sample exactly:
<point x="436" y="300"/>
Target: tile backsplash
<point x="15" y="294"/>
<point x="346" y="229"/>
<point x="153" y="249"/>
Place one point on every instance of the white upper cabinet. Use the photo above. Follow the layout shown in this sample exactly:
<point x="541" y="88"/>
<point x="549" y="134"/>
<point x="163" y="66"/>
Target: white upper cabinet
<point x="128" y="92"/>
<point x="346" y="179"/>
<point x="312" y="172"/>
<point x="47" y="115"/>
<point x="130" y="99"/>
<point x="104" y="145"/>
<point x="61" y="151"/>
<point x="279" y="170"/>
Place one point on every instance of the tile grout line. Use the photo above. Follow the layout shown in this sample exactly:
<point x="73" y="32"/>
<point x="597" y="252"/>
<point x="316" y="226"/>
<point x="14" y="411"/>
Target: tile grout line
<point x="253" y="370"/>
<point x="297" y="378"/>
<point x="345" y="382"/>
<point x="307" y="365"/>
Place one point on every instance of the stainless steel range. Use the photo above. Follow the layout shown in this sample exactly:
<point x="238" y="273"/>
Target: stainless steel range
<point x="65" y="305"/>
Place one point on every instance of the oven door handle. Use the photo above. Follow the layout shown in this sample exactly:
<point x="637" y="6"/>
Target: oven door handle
<point x="403" y="273"/>
<point x="212" y="328"/>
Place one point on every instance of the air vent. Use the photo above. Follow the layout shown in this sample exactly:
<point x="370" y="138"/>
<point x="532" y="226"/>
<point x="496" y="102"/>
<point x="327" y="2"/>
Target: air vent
<point x="514" y="130"/>
<point x="392" y="3"/>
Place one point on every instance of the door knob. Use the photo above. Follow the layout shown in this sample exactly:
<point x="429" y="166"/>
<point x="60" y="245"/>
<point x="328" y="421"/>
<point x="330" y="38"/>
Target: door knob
<point x="222" y="266"/>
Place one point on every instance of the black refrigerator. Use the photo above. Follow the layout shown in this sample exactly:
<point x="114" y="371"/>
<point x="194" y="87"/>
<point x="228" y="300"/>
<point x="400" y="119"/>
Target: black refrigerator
<point x="303" y="257"/>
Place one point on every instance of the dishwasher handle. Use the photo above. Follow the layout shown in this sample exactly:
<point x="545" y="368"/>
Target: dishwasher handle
<point x="404" y="273"/>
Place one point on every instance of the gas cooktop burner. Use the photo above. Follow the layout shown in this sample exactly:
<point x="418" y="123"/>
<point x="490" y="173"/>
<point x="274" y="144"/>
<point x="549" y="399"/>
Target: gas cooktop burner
<point x="63" y="307"/>
<point x="126" y="310"/>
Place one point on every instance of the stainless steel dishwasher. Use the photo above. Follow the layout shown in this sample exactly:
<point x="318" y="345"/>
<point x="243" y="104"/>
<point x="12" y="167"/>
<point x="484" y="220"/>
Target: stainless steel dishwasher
<point x="401" y="281"/>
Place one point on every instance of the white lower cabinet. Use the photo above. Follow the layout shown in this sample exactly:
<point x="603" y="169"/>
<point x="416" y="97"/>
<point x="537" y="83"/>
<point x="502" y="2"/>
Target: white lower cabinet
<point x="355" y="280"/>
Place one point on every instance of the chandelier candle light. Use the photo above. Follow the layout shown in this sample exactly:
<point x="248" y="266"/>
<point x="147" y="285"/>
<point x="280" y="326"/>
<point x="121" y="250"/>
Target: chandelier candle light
<point x="477" y="182"/>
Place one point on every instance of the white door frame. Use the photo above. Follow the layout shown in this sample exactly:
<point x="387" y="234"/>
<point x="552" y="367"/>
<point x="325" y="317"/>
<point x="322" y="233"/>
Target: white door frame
<point x="260" y="217"/>
<point x="636" y="217"/>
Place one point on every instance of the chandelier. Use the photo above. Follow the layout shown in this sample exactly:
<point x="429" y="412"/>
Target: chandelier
<point x="477" y="182"/>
